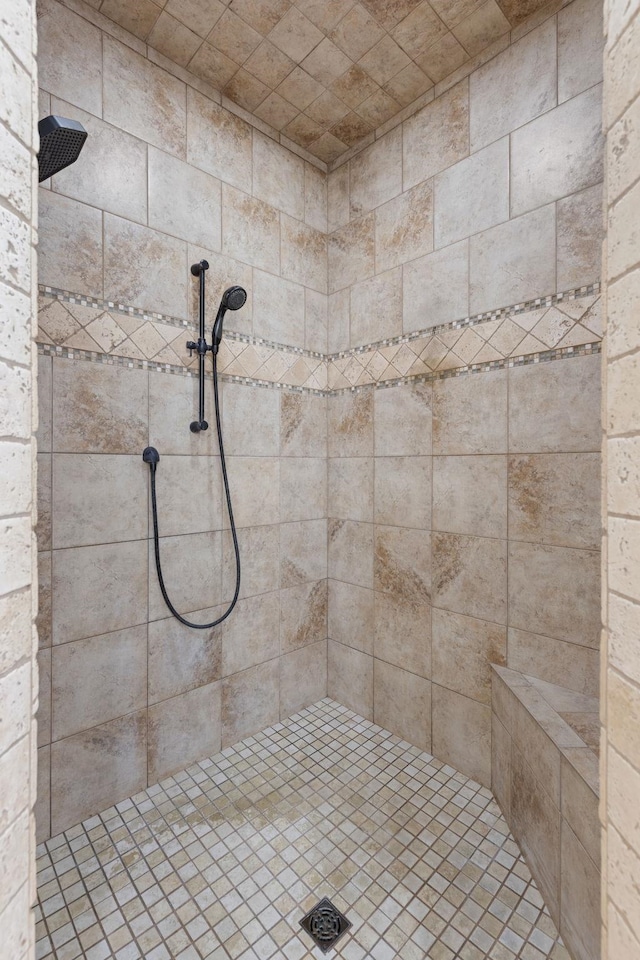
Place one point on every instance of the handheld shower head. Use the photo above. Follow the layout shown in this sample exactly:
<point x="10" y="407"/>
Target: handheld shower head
<point x="232" y="299"/>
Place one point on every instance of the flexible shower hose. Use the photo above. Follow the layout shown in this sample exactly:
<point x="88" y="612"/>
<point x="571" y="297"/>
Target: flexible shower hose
<point x="154" y="506"/>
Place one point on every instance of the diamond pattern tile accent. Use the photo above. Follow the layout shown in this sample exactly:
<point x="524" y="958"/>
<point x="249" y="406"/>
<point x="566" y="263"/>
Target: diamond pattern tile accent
<point x="224" y="859"/>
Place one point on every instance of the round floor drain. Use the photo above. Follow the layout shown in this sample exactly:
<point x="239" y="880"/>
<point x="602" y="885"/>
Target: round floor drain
<point x="325" y="924"/>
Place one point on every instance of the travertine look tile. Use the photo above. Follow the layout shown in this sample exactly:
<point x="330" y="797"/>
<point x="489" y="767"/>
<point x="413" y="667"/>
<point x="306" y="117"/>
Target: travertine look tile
<point x="501" y="765"/>
<point x="470" y="414"/>
<point x="251" y="421"/>
<point x="250" y="230"/>
<point x="173" y="39"/>
<point x="513" y="261"/>
<point x="338" y="306"/>
<point x="484" y="177"/>
<point x="250" y="635"/>
<point x="259" y="557"/>
<point x="316" y="320"/>
<point x="70" y="58"/>
<point x="463" y="650"/>
<point x="173" y="404"/>
<point x="113" y="400"/>
<point x="580" y="43"/>
<point x="351" y="424"/>
<point x="303" y="615"/>
<point x="461" y="733"/>
<point x="278" y="309"/>
<point x="555" y="591"/>
<point x="189" y="495"/>
<point x="557" y="154"/>
<point x="402" y="704"/>
<point x="304" y="254"/>
<point x="350" y="678"/>
<point x="470" y="495"/>
<point x="555" y="498"/>
<point x="181" y="659"/>
<point x="403" y="491"/>
<point x="86" y="488"/>
<point x="470" y="576"/>
<point x="404" y="227"/>
<point x="98" y="589"/>
<point x="580" y="898"/>
<point x="338" y="210"/>
<point x="402" y="563"/>
<point x="191" y="568"/>
<point x="303" y="425"/>
<point x="44" y="711"/>
<point x="351" y="253"/>
<point x="303" y="677"/>
<point x="255" y="482"/>
<point x="43" y="620"/>
<point x="137" y="19"/>
<point x="70" y="244"/>
<point x="376" y="174"/>
<point x="403" y="420"/>
<point x="13" y="477"/>
<point x="162" y="284"/>
<point x="42" y="809"/>
<point x="351" y="488"/>
<point x="514" y="87"/>
<point x="351" y="615"/>
<point x="223" y="272"/>
<point x="536" y="394"/>
<point x="143" y="99"/>
<point x="482" y="27"/>
<point x="544" y="657"/>
<point x="437" y="136"/>
<point x="184" y="201"/>
<point x="183" y="730"/>
<point x="45" y="403"/>
<point x="580" y="775"/>
<point x="96" y="768"/>
<point x="580" y="234"/>
<point x="303" y="488"/>
<point x="303" y="552"/>
<point x="97" y="680"/>
<point x="218" y="141"/>
<point x="403" y="633"/>
<point x="351" y="552"/>
<point x="278" y="176"/>
<point x="250" y="701"/>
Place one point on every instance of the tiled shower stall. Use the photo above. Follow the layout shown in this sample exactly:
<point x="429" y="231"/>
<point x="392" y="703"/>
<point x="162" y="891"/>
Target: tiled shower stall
<point x="411" y="406"/>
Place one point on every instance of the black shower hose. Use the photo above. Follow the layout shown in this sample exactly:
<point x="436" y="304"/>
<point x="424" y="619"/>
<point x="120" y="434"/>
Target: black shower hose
<point x="156" y="538"/>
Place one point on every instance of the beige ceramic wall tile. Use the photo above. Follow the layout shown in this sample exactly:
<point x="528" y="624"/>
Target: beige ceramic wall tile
<point x="514" y="261"/>
<point x="250" y="230"/>
<point x="316" y="321"/>
<point x="255" y="482"/>
<point x="436" y="288"/>
<point x="580" y="898"/>
<point x="402" y="563"/>
<point x="461" y="733"/>
<point x="44" y="711"/>
<point x="97" y="680"/>
<point x="580" y="43"/>
<point x="303" y="425"/>
<point x="303" y="552"/>
<point x="251" y="421"/>
<point x="376" y="308"/>
<point x="45" y="403"/>
<point x="189" y="495"/>
<point x="351" y="488"/>
<point x="173" y="404"/>
<point x="338" y="305"/>
<point x="463" y="650"/>
<point x="352" y="253"/>
<point x="351" y="615"/>
<point x="191" y="568"/>
<point x="350" y="678"/>
<point x="514" y="87"/>
<point x="549" y="659"/>
<point x="250" y="636"/>
<point x="70" y="58"/>
<point x="580" y="789"/>
<point x="43" y="526"/>
<point x="403" y="491"/>
<point x="403" y="420"/>
<point x="470" y="576"/>
<point x="42" y="809"/>
<point x="404" y="227"/>
<point x="43" y="620"/>
<point x="470" y="495"/>
<point x="96" y="768"/>
<point x="98" y="180"/>
<point x="183" y="730"/>
<point x="144" y="267"/>
<point x="70" y="245"/>
<point x="375" y="175"/>
<point x="437" y="136"/>
<point x="351" y="552"/>
<point x="536" y="394"/>
<point x="304" y="254"/>
<point x="403" y="633"/>
<point x="279" y="309"/>
<point x="181" y="659"/>
<point x="568" y="153"/>
<point x="98" y="589"/>
<point x="143" y="99"/>
<point x="278" y="176"/>
<point x="315" y="198"/>
<point x="303" y="615"/>
<point x="350" y="424"/>
<point x="501" y="765"/>
<point x="470" y="415"/>
<point x="250" y="701"/>
<point x="86" y="489"/>
<point x="218" y="141"/>
<point x="555" y="591"/>
<point x="303" y="488"/>
<point x="580" y="235"/>
<point x="259" y="558"/>
<point x="484" y="177"/>
<point x="184" y="201"/>
<point x="402" y="704"/>
<point x="303" y="678"/>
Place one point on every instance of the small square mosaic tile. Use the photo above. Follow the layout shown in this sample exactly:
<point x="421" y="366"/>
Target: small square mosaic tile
<point x="223" y="860"/>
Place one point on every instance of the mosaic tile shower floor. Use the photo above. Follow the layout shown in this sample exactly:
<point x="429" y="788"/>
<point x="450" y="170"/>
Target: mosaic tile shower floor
<point x="223" y="860"/>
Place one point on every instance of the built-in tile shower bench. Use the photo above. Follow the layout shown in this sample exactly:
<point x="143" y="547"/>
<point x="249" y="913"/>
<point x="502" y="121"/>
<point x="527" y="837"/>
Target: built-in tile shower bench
<point x="545" y="778"/>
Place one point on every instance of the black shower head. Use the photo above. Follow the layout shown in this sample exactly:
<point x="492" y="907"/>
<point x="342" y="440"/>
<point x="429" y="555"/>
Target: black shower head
<point x="61" y="141"/>
<point x="232" y="299"/>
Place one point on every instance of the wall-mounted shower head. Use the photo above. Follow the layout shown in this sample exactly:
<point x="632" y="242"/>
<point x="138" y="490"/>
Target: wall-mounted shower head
<point x="61" y="141"/>
<point x="232" y="299"/>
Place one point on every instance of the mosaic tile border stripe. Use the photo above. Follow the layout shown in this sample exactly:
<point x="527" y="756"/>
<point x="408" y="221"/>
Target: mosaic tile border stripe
<point x="547" y="328"/>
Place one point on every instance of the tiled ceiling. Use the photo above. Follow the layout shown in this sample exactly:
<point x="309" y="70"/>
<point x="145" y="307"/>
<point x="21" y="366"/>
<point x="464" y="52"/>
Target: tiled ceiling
<point x="323" y="72"/>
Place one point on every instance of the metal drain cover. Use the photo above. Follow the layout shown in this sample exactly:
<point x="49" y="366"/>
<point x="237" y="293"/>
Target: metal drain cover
<point x="325" y="924"/>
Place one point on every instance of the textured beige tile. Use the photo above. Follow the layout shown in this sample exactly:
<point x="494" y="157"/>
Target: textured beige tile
<point x="161" y="285"/>
<point x="254" y="481"/>
<point x="303" y="677"/>
<point x="501" y="765"/>
<point x="137" y="19"/>
<point x="580" y="235"/>
<point x="250" y="230"/>
<point x="70" y="245"/>
<point x="470" y="576"/>
<point x="461" y="733"/>
<point x="295" y="35"/>
<point x="70" y="58"/>
<point x="98" y="589"/>
<point x="268" y="64"/>
<point x="580" y="898"/>
<point x="351" y="552"/>
<point x="403" y="420"/>
<point x="173" y="39"/>
<point x="338" y="207"/>
<point x="212" y="66"/>
<point x="189" y="495"/>
<point x="96" y="768"/>
<point x="437" y="136"/>
<point x="470" y="414"/>
<point x="303" y="488"/>
<point x="555" y="591"/>
<point x="403" y="633"/>
<point x="580" y="43"/>
<point x="279" y="309"/>
<point x="278" y="176"/>
<point x="350" y="678"/>
<point x="45" y="403"/>
<point x="259" y="558"/>
<point x="542" y="754"/>
<point x="351" y="488"/>
<point x="303" y="615"/>
<point x="250" y="635"/>
<point x="356" y="32"/>
<point x="250" y="701"/>
<point x="17" y="461"/>
<point x="191" y="568"/>
<point x="181" y="659"/>
<point x="404" y="227"/>
<point x="184" y="201"/>
<point x="303" y="425"/>
<point x="351" y="615"/>
<point x="351" y="424"/>
<point x="370" y="323"/>
<point x="303" y="552"/>
<point x="403" y="491"/>
<point x="470" y="495"/>
<point x="548" y="659"/>
<point x="580" y="800"/>
<point x="183" y="730"/>
<point x="351" y="253"/>
<point x="376" y="174"/>
<point x="43" y="620"/>
<point x="173" y="404"/>
<point x="304" y="254"/>
<point x="402" y="563"/>
<point x="463" y="650"/>
<point x="233" y="37"/>
<point x="513" y="88"/>
<point x="402" y="704"/>
<point x="44" y="711"/>
<point x="536" y="394"/>
<point x="42" y="810"/>
<point x="218" y="141"/>
<point x="316" y="320"/>
<point x="482" y="27"/>
<point x="338" y="306"/>
<point x="97" y="680"/>
<point x="443" y="58"/>
<point x="483" y="176"/>
<point x="251" y="421"/>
